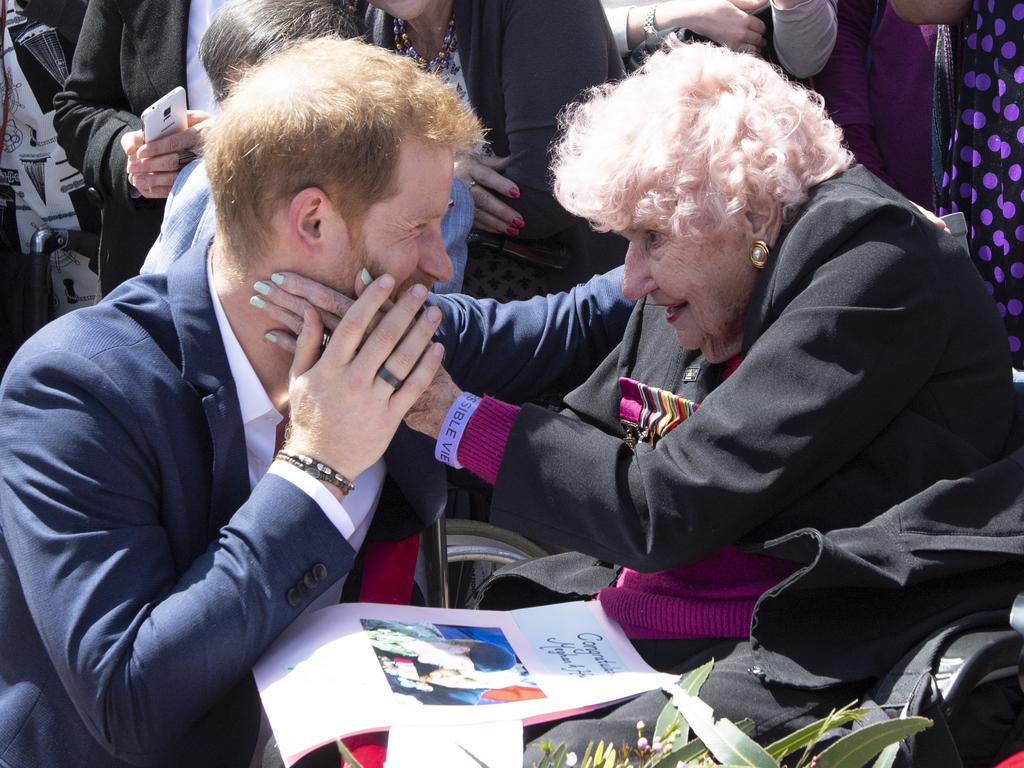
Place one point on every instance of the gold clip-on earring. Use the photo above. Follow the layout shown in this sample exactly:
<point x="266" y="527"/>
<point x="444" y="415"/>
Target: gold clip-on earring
<point x="759" y="253"/>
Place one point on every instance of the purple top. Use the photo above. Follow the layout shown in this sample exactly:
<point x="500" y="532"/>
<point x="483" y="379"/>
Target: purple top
<point x="884" y="107"/>
<point x="714" y="597"/>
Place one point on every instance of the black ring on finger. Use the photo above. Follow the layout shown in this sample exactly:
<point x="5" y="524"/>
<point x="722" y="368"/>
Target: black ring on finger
<point x="390" y="378"/>
<point x="324" y="341"/>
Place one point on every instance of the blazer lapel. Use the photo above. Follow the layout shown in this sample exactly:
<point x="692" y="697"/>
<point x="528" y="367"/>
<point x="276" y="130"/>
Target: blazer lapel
<point x="159" y="33"/>
<point x="205" y="366"/>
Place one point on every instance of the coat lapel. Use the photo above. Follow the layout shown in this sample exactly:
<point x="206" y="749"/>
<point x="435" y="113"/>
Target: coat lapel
<point x="158" y="30"/>
<point x="205" y="366"/>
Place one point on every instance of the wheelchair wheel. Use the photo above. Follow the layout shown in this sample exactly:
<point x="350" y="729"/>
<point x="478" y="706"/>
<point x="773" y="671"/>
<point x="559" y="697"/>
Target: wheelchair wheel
<point x="475" y="550"/>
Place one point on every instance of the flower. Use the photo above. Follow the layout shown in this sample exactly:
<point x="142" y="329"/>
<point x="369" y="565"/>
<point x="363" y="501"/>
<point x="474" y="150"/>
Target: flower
<point x="642" y="743"/>
<point x="571" y="760"/>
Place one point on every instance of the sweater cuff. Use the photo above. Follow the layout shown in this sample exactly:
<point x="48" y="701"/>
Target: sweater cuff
<point x="483" y="443"/>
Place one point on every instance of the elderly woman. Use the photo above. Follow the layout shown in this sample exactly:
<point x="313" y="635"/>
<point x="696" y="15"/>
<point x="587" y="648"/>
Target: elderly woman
<point x="517" y="63"/>
<point x="808" y="358"/>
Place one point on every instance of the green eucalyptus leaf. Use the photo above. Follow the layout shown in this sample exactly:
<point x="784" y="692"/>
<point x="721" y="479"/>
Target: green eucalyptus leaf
<point x="347" y="756"/>
<point x="857" y="748"/>
<point x="558" y="758"/>
<point x="691" y="683"/>
<point x="692" y="751"/>
<point x="727" y="742"/>
<point x="887" y="756"/>
<point x="599" y="754"/>
<point x="669" y="715"/>
<point x="610" y="758"/>
<point x="587" y="756"/>
<point x="805" y="736"/>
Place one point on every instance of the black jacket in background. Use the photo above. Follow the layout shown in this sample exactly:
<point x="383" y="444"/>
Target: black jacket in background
<point x="129" y="54"/>
<point x="64" y="15"/>
<point x="524" y="60"/>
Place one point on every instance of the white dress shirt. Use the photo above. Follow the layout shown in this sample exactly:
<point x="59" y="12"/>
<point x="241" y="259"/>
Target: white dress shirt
<point x="260" y="421"/>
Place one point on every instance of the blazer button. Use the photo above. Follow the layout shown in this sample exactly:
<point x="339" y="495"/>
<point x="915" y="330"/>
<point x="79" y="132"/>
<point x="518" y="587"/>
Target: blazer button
<point x="319" y="571"/>
<point x="94" y="196"/>
<point x="310" y="581"/>
<point x="302" y="589"/>
<point x="294" y="598"/>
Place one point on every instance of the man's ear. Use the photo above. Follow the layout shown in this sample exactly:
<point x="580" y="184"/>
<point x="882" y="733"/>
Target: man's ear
<point x="313" y="220"/>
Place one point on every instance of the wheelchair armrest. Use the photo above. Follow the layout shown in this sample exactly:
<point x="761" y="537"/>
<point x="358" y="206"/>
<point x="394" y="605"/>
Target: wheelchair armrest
<point x="976" y="657"/>
<point x="1017" y="623"/>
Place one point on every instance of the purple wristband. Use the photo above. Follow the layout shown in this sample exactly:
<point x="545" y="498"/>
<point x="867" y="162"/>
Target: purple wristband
<point x="447" y="449"/>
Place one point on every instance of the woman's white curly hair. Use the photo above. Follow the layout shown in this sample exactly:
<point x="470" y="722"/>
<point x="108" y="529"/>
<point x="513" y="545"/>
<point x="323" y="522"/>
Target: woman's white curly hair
<point x="698" y="137"/>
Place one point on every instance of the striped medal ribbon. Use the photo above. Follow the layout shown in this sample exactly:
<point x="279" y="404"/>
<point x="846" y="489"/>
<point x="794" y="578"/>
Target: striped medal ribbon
<point x="648" y="413"/>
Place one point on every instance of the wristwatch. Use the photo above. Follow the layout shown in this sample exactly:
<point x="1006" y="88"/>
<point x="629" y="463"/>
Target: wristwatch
<point x="649" y="29"/>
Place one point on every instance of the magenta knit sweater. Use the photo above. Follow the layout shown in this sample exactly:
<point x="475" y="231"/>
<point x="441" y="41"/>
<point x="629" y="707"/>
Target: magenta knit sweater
<point x="713" y="597"/>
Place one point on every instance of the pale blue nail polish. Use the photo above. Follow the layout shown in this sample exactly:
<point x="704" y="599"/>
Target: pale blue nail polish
<point x="261" y="287"/>
<point x="271" y="337"/>
<point x="257" y="302"/>
<point x="365" y="276"/>
<point x="277" y="277"/>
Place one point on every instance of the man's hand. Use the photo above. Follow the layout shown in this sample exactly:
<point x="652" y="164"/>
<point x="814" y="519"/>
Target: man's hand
<point x="153" y="167"/>
<point x="342" y="412"/>
<point x="289" y="297"/>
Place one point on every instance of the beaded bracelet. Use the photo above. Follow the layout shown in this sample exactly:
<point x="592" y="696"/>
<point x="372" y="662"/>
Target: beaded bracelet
<point x="650" y="28"/>
<point x="318" y="470"/>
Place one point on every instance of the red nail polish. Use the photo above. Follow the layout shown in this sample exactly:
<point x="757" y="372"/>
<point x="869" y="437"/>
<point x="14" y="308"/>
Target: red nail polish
<point x="513" y="231"/>
<point x="513" y="193"/>
<point x="518" y="222"/>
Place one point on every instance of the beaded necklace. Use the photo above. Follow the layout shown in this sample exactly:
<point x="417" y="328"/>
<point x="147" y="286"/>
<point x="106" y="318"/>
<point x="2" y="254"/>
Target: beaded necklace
<point x="405" y="47"/>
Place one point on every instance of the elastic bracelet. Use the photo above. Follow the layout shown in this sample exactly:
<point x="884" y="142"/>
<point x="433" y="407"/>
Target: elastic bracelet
<point x="318" y="470"/>
<point x="454" y="424"/>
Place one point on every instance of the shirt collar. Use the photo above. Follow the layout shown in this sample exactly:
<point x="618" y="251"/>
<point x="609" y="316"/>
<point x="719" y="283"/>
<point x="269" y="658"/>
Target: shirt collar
<point x="253" y="401"/>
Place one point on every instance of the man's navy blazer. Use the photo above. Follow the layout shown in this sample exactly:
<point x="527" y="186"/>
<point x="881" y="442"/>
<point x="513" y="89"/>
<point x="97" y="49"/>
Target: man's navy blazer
<point x="139" y="577"/>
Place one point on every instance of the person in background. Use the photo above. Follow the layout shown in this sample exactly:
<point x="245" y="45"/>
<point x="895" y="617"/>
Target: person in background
<point x="245" y="33"/>
<point x="39" y="189"/>
<point x="128" y="56"/>
<point x="980" y="100"/>
<point x="518" y="64"/>
<point x="878" y="88"/>
<point x="801" y="36"/>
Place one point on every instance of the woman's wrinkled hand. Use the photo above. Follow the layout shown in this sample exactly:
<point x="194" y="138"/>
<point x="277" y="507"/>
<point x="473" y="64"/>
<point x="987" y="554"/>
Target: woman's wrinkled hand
<point x="483" y="176"/>
<point x="153" y="167"/>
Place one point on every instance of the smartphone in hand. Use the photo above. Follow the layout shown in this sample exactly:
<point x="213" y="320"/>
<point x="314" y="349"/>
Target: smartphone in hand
<point x="168" y="115"/>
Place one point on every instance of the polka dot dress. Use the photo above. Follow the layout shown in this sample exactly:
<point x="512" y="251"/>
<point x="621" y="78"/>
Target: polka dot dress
<point x="987" y="155"/>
